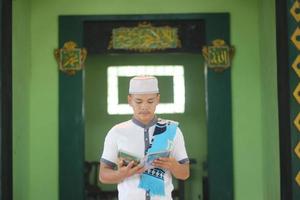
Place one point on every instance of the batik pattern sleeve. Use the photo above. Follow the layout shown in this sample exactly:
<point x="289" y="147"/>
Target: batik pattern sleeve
<point x="110" y="150"/>
<point x="179" y="151"/>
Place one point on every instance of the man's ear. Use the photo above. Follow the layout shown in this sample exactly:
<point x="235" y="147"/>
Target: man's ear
<point x="129" y="99"/>
<point x="158" y="98"/>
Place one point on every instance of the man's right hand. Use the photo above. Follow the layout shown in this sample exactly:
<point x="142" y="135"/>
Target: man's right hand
<point x="129" y="170"/>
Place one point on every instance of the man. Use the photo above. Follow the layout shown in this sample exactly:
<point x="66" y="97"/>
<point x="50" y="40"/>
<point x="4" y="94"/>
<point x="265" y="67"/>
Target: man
<point x="142" y="135"/>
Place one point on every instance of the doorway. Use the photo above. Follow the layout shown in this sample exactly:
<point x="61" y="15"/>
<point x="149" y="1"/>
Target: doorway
<point x="215" y="104"/>
<point x="192" y="121"/>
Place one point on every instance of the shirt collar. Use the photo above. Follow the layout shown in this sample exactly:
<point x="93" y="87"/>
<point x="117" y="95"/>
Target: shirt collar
<point x="151" y="123"/>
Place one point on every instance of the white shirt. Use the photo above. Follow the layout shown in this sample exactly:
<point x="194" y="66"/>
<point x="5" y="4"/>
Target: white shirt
<point x="134" y="137"/>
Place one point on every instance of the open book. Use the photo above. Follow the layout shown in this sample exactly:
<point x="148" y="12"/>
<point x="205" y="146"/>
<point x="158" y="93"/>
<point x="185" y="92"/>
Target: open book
<point x="146" y="161"/>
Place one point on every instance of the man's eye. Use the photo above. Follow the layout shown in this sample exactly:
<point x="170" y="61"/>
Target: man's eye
<point x="138" y="102"/>
<point x="150" y="101"/>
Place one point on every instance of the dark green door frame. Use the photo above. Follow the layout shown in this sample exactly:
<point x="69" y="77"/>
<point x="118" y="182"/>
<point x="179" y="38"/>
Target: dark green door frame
<point x="6" y="100"/>
<point x="71" y="109"/>
<point x="288" y="106"/>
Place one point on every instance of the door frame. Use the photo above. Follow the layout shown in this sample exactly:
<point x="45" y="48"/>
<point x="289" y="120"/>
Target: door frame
<point x="288" y="107"/>
<point x="6" y="183"/>
<point x="218" y="106"/>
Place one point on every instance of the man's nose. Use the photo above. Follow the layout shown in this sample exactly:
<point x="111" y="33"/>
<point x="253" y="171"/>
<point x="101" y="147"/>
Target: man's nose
<point x="144" y="105"/>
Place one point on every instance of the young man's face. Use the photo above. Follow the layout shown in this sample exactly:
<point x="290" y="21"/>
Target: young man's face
<point x="144" y="106"/>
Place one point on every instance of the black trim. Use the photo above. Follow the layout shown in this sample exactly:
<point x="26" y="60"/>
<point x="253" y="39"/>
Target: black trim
<point x="109" y="163"/>
<point x="283" y="100"/>
<point x="184" y="161"/>
<point x="6" y="99"/>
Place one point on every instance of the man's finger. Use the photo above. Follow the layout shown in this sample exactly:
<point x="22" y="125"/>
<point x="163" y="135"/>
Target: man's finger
<point x="163" y="159"/>
<point x="120" y="163"/>
<point x="141" y="170"/>
<point x="137" y="169"/>
<point x="130" y="165"/>
<point x="158" y="161"/>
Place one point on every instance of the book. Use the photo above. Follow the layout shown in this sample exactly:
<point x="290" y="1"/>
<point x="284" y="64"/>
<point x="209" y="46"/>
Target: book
<point x="150" y="157"/>
<point x="146" y="161"/>
<point x="127" y="157"/>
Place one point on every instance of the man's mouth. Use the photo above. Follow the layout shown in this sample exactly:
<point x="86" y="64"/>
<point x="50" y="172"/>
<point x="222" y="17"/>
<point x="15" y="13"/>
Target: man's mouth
<point x="144" y="113"/>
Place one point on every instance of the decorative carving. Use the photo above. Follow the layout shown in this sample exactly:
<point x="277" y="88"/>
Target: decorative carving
<point x="218" y="56"/>
<point x="296" y="65"/>
<point x="293" y="11"/>
<point x="295" y="37"/>
<point x="297" y="122"/>
<point x="296" y="93"/>
<point x="70" y="58"/>
<point x="145" y="38"/>
<point x="297" y="150"/>
<point x="297" y="179"/>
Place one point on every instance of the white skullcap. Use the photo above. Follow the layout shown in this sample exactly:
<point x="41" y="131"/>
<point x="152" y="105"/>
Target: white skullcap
<point x="143" y="85"/>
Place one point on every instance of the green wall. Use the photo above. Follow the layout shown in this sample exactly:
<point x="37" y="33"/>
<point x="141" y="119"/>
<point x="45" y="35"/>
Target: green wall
<point x="251" y="120"/>
<point x="21" y="94"/>
<point x="269" y="114"/>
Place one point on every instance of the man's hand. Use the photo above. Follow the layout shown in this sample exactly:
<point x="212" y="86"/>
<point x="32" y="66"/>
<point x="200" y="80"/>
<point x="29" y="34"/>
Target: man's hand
<point x="166" y="163"/>
<point x="180" y="171"/>
<point x="129" y="170"/>
<point x="111" y="176"/>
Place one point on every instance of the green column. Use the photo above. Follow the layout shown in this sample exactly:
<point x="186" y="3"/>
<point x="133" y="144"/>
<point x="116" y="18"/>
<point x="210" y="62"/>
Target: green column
<point x="71" y="120"/>
<point x="219" y="118"/>
<point x="294" y="82"/>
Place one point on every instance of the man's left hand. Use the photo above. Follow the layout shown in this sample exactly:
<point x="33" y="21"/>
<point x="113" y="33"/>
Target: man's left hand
<point x="166" y="163"/>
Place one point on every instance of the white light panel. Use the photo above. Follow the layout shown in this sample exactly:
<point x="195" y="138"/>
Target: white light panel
<point x="176" y="71"/>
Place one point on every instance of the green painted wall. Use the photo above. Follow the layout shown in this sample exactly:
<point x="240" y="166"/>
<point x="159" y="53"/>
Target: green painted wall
<point x="250" y="165"/>
<point x="192" y="122"/>
<point x="21" y="94"/>
<point x="269" y="113"/>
